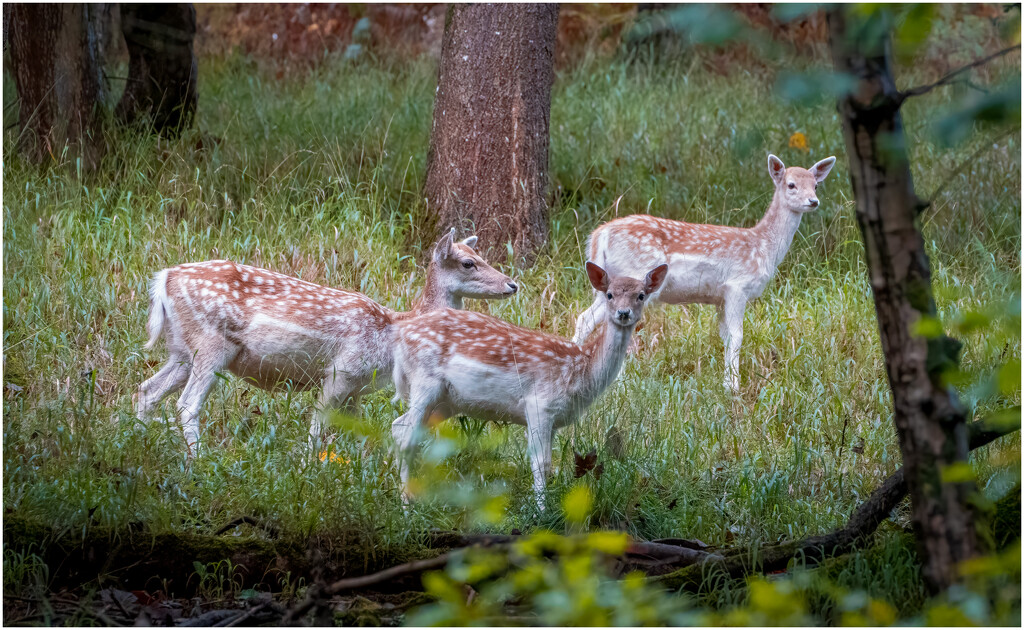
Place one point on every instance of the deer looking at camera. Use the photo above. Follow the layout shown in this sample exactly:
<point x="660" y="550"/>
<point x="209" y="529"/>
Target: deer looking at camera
<point x="452" y="362"/>
<point x="709" y="264"/>
<point x="272" y="329"/>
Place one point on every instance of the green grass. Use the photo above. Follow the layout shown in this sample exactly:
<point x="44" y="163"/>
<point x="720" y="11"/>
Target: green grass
<point x="319" y="175"/>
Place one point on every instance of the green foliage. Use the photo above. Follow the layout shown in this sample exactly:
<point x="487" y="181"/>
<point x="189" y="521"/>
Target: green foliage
<point x="318" y="175"/>
<point x="548" y="579"/>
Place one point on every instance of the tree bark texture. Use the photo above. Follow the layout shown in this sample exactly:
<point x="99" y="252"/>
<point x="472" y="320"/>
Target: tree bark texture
<point x="929" y="420"/>
<point x="487" y="168"/>
<point x="162" y="66"/>
<point x="56" y="59"/>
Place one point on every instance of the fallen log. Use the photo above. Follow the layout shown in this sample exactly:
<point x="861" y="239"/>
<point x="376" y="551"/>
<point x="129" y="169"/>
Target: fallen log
<point x="862" y="523"/>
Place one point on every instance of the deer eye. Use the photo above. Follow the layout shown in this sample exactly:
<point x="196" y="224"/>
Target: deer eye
<point x="609" y="295"/>
<point x="468" y="264"/>
<point x="792" y="185"/>
<point x="640" y="297"/>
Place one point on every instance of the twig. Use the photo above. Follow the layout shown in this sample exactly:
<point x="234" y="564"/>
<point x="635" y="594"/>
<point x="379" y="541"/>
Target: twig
<point x="249" y="520"/>
<point x="924" y="89"/>
<point x="363" y="581"/>
<point x="209" y="618"/>
<point x="948" y="179"/>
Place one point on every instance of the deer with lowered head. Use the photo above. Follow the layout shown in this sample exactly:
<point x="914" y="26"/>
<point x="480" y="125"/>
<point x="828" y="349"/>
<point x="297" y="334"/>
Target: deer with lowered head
<point x="451" y="362"/>
<point x="709" y="264"/>
<point x="272" y="329"/>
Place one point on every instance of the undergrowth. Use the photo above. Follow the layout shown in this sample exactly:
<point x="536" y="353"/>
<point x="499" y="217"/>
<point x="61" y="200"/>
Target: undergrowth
<point x="319" y="176"/>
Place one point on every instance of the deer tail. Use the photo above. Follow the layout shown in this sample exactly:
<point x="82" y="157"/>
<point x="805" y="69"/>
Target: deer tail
<point x="158" y="305"/>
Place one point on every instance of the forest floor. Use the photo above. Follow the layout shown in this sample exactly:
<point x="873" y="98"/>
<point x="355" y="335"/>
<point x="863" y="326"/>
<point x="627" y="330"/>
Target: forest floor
<point x="317" y="174"/>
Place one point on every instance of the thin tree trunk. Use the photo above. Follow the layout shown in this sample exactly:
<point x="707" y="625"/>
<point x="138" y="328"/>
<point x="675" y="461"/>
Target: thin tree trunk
<point x="56" y="59"/>
<point x="161" y="65"/>
<point x="929" y="420"/>
<point x="487" y="168"/>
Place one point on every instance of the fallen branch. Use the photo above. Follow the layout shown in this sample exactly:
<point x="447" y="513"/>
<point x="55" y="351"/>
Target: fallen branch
<point x="249" y="520"/>
<point x="363" y="581"/>
<point x="864" y="521"/>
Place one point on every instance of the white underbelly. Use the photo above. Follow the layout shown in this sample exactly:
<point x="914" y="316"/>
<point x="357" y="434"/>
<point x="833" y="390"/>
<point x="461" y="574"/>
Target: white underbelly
<point x="485" y="391"/>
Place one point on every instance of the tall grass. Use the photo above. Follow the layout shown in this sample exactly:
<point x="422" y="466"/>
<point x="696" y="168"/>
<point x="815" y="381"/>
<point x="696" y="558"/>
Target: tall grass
<point x="319" y="175"/>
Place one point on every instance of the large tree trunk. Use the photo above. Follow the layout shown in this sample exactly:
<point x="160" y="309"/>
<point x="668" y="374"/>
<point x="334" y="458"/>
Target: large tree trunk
<point x="929" y="420"/>
<point x="161" y="65"/>
<point x="56" y="59"/>
<point x="487" y="168"/>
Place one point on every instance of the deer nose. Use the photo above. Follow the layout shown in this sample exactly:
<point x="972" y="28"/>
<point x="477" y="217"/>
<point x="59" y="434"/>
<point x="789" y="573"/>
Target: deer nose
<point x="513" y="286"/>
<point x="623" y="315"/>
<point x="812" y="203"/>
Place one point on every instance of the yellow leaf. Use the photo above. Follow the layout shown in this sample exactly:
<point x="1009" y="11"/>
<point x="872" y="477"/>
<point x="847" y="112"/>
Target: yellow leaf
<point x="611" y="543"/>
<point x="928" y="326"/>
<point x="577" y="504"/>
<point x="957" y="473"/>
<point x="799" y="141"/>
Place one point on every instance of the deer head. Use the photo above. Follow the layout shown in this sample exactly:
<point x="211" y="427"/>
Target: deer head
<point x="796" y="187"/>
<point x="625" y="297"/>
<point x="465" y="274"/>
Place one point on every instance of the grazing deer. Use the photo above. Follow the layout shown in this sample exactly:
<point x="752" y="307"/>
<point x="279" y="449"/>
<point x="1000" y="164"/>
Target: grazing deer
<point x="272" y="329"/>
<point x="449" y="362"/>
<point x="709" y="264"/>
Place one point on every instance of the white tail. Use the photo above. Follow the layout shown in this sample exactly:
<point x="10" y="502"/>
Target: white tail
<point x="710" y="264"/>
<point x="274" y="330"/>
<point x="452" y="362"/>
<point x="157" y="308"/>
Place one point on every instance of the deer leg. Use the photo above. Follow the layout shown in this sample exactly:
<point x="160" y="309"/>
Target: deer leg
<point x="404" y="431"/>
<point x="190" y="403"/>
<point x="338" y="392"/>
<point x="538" y="446"/>
<point x="171" y="377"/>
<point x="730" y="326"/>
<point x="588" y="319"/>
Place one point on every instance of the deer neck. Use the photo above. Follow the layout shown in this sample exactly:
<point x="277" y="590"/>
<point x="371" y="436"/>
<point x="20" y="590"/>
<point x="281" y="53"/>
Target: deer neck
<point x="776" y="230"/>
<point x="605" y="355"/>
<point x="436" y="295"/>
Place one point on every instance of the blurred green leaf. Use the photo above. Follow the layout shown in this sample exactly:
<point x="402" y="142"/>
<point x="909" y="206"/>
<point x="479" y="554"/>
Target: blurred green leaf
<point x="1009" y="377"/>
<point x="493" y="510"/>
<point x="970" y="321"/>
<point x="611" y="543"/>
<point x="1001" y="106"/>
<point x="814" y="86"/>
<point x="913" y="29"/>
<point x="787" y="12"/>
<point x="957" y="473"/>
<point x="927" y="326"/>
<point x="577" y="504"/>
<point x="699" y="23"/>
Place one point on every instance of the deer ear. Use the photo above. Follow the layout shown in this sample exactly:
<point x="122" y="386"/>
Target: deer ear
<point x="470" y="241"/>
<point x="822" y="168"/>
<point x="655" y="278"/>
<point x="443" y="249"/>
<point x="598" y="277"/>
<point x="776" y="169"/>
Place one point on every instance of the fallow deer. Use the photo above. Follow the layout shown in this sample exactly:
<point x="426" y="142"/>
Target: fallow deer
<point x="709" y="264"/>
<point x="450" y="362"/>
<point x="272" y="329"/>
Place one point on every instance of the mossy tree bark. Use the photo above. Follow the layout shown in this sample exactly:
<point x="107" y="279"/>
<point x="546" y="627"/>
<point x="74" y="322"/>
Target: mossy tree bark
<point x="930" y="422"/>
<point x="162" y="65"/>
<point x="56" y="59"/>
<point x="487" y="168"/>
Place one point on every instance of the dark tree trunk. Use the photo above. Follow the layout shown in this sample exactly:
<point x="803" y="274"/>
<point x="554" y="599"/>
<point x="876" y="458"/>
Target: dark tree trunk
<point x="487" y="168"/>
<point x="161" y="65"/>
<point x="929" y="420"/>
<point x="56" y="59"/>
